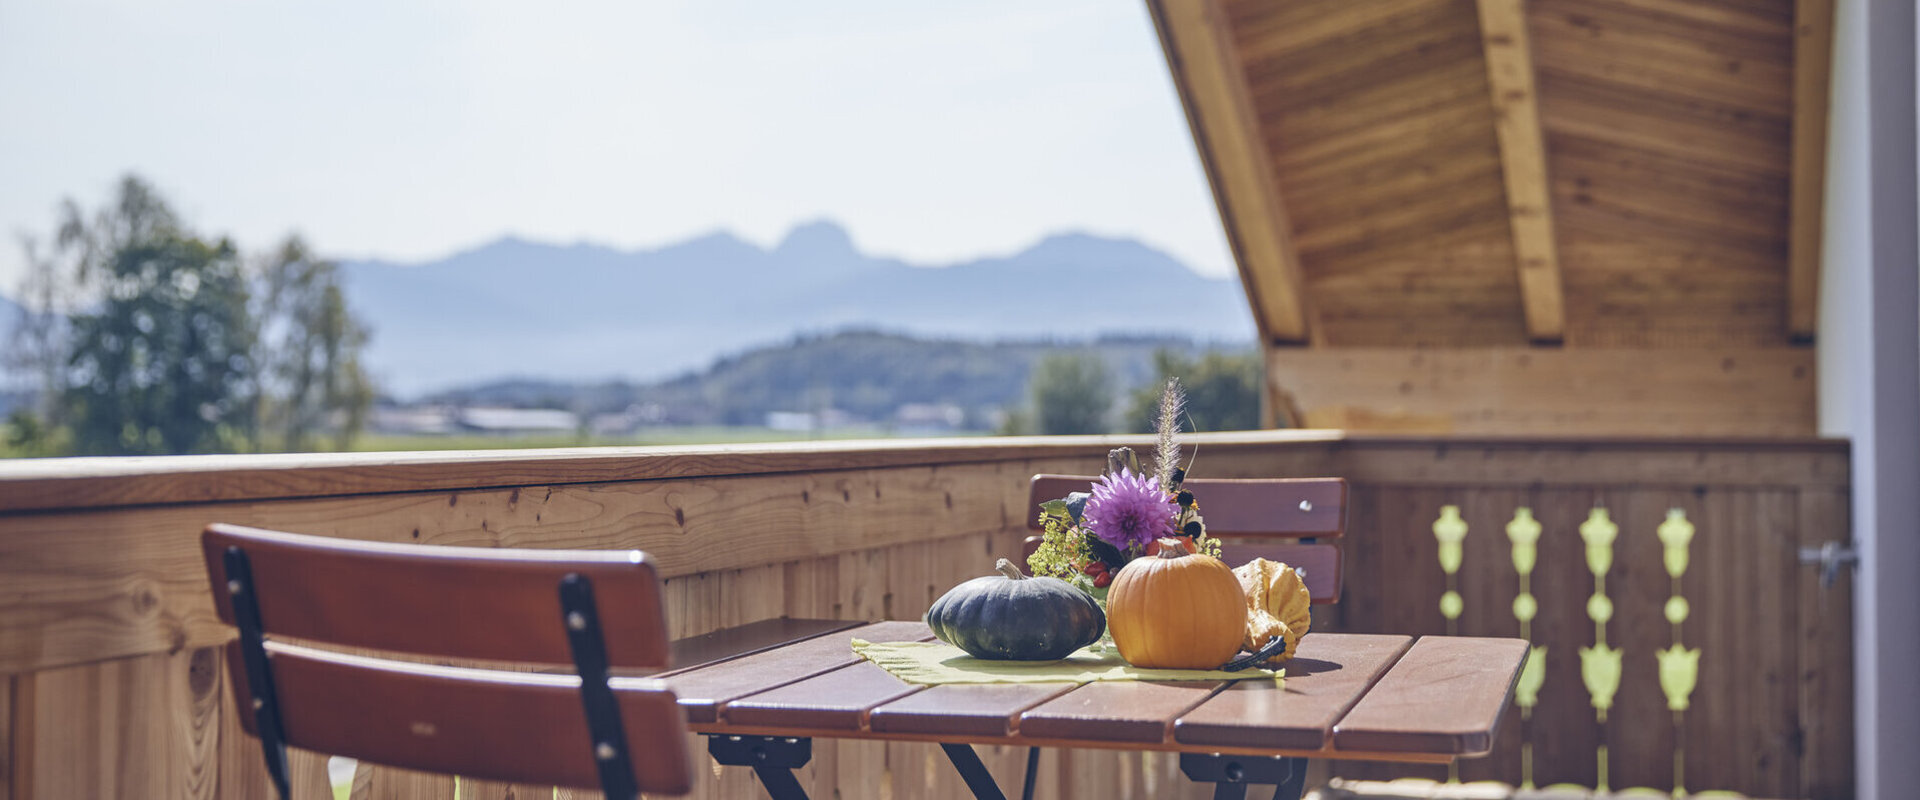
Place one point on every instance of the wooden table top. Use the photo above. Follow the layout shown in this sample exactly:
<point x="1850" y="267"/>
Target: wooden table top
<point x="1350" y="696"/>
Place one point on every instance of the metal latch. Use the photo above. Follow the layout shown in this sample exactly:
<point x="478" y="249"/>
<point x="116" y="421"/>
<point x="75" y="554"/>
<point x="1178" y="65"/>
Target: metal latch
<point x="1831" y="557"/>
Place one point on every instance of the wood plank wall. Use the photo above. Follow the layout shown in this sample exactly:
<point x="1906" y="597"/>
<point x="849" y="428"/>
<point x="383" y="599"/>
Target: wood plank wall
<point x="106" y="635"/>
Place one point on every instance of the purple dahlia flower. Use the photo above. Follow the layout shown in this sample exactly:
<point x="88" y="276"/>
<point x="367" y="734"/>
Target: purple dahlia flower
<point x="1128" y="509"/>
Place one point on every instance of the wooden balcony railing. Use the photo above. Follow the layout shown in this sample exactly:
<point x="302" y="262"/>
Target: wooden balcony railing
<point x="113" y="689"/>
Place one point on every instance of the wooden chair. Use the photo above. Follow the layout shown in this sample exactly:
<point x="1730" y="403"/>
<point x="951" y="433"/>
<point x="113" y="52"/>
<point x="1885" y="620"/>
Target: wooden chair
<point x="1278" y="519"/>
<point x="594" y="610"/>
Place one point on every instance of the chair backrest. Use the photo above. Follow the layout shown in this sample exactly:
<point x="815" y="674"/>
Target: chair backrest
<point x="1294" y="520"/>
<point x="593" y="610"/>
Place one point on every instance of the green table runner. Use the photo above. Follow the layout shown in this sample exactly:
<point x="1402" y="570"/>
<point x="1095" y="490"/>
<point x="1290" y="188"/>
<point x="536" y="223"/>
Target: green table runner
<point x="937" y="662"/>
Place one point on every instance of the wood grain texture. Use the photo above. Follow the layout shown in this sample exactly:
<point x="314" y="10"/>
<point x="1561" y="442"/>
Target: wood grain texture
<point x="836" y="700"/>
<point x="1225" y="127"/>
<point x="1825" y="651"/>
<point x="243" y="771"/>
<point x="1446" y="694"/>
<point x="1535" y="391"/>
<point x="93" y="586"/>
<point x="16" y="737"/>
<point x="74" y="483"/>
<point x="1668" y="131"/>
<point x="1115" y="711"/>
<point x="963" y="708"/>
<point x="1279" y="507"/>
<point x="500" y="726"/>
<point x="704" y="691"/>
<point x="388" y="783"/>
<point x="741" y="640"/>
<point x="1327" y="676"/>
<point x="1812" y="65"/>
<point x="1523" y="164"/>
<point x="495" y="790"/>
<point x="1646" y="147"/>
<point x="1377" y="122"/>
<point x="139" y="727"/>
<point x="450" y="602"/>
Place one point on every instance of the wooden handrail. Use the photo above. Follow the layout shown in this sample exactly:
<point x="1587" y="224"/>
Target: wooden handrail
<point x="33" y="485"/>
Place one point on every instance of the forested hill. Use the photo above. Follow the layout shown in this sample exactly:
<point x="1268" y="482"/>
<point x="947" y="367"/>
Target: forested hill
<point x="869" y="375"/>
<point x="583" y="312"/>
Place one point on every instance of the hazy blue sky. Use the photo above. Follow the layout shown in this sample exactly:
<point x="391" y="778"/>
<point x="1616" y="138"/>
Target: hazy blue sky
<point x="408" y="130"/>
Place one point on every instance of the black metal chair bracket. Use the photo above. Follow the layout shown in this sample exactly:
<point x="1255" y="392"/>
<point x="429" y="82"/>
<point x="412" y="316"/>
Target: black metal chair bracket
<point x="581" y="616"/>
<point x="253" y="650"/>
<point x="772" y="758"/>
<point x="1230" y="775"/>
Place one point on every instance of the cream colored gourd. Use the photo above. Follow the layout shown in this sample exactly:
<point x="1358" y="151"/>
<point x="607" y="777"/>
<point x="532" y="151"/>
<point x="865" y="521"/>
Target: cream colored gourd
<point x="1176" y="610"/>
<point x="1278" y="604"/>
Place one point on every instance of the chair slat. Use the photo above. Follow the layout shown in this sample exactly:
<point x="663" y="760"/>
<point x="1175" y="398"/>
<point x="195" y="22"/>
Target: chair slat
<point x="456" y="602"/>
<point x="1320" y="562"/>
<point x="1286" y="507"/>
<point x="487" y="724"/>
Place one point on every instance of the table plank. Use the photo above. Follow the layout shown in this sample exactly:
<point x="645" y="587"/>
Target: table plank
<point x="1116" y="711"/>
<point x="970" y="709"/>
<point x="1444" y="696"/>
<point x="704" y="690"/>
<point x="1328" y="675"/>
<point x="837" y="700"/>
<point x="727" y="643"/>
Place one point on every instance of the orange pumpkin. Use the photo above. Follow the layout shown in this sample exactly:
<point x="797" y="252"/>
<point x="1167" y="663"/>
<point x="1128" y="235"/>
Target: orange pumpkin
<point x="1176" y="610"/>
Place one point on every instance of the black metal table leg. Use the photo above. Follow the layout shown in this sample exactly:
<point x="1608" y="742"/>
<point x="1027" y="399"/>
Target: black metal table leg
<point x="1033" y="771"/>
<point x="772" y="758"/>
<point x="973" y="772"/>
<point x="1230" y="775"/>
<point x="780" y="783"/>
<point x="1295" y="785"/>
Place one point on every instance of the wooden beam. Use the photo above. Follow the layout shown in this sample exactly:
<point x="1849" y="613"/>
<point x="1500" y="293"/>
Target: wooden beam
<point x="1520" y="391"/>
<point x="1226" y="129"/>
<point x="1523" y="161"/>
<point x="1812" y="60"/>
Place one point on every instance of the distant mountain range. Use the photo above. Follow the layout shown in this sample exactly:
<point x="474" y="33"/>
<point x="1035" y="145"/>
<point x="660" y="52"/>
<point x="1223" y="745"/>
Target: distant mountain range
<point x="869" y="377"/>
<point x="584" y="312"/>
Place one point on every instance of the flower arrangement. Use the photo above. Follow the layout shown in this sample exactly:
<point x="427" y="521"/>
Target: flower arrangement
<point x="1087" y="537"/>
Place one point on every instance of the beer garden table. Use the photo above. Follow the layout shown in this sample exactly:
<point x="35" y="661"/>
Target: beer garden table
<point x="762" y="692"/>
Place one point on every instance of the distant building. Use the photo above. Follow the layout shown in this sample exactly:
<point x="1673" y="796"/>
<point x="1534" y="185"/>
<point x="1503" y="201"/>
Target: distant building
<point x="928" y="418"/>
<point x="510" y="421"/>
<point x="444" y="420"/>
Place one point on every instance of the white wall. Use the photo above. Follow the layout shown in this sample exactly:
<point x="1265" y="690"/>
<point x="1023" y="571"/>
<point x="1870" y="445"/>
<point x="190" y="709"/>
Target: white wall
<point x="1869" y="355"/>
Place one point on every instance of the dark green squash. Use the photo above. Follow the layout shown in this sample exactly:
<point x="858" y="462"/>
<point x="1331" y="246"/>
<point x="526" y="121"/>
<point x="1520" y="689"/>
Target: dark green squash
<point x="1013" y="617"/>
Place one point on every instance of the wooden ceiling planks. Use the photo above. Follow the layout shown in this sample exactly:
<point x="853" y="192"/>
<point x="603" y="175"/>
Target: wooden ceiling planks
<point x="1667" y="130"/>
<point x="1376" y="118"/>
<point x="1446" y="162"/>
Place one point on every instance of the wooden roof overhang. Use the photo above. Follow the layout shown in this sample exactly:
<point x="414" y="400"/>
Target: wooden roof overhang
<point x="1473" y="215"/>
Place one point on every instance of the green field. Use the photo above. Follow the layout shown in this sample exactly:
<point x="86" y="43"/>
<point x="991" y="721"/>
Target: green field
<point x="662" y="436"/>
<point x="374" y="442"/>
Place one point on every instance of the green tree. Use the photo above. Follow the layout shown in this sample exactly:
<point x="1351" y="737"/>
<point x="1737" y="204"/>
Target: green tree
<point x="1223" y="391"/>
<point x="309" y="380"/>
<point x="1072" y="394"/>
<point x="161" y="362"/>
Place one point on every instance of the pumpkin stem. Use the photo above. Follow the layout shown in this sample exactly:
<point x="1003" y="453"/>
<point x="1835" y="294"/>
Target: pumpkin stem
<point x="1008" y="569"/>
<point x="1173" y="548"/>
